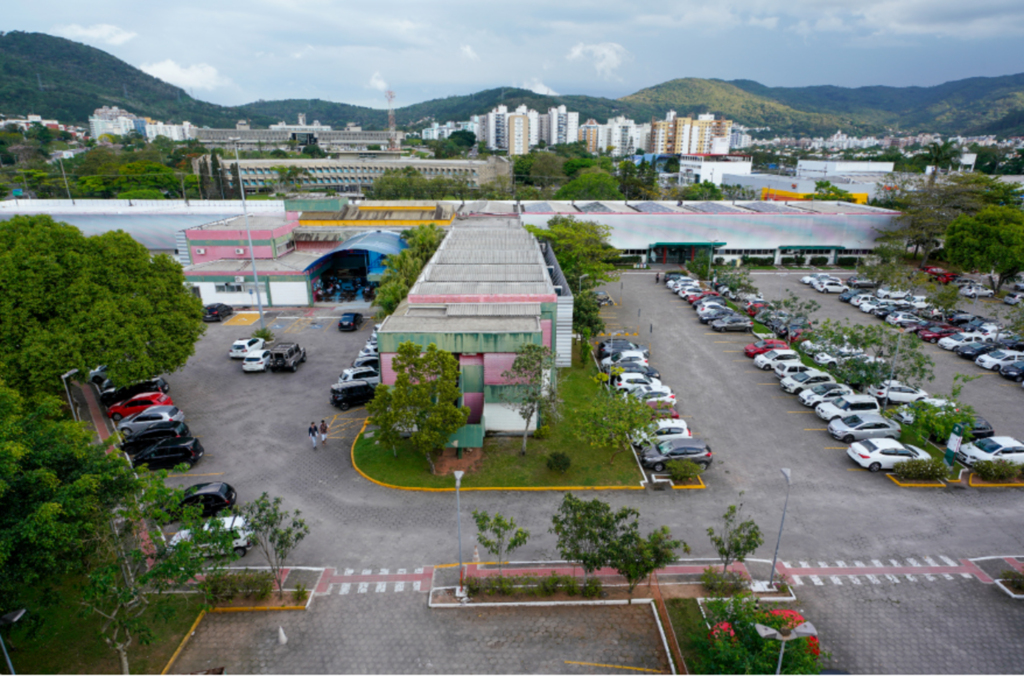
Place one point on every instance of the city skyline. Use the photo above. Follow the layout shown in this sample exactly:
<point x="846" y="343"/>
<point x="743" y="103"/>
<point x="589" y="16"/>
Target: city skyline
<point x="233" y="53"/>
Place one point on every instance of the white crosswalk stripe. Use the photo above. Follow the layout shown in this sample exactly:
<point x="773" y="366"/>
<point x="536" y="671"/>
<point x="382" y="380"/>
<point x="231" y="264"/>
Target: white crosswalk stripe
<point x="816" y="580"/>
<point x="836" y="580"/>
<point x="893" y="579"/>
<point x="363" y="587"/>
<point x="948" y="561"/>
<point x="401" y="571"/>
<point x="349" y="571"/>
<point x="345" y="587"/>
<point x="381" y="587"/>
<point x="367" y="571"/>
<point x="399" y="586"/>
<point x="797" y="582"/>
<point x="416" y="585"/>
<point x="384" y="571"/>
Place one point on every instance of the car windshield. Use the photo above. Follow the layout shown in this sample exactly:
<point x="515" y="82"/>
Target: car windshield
<point x="987" y="445"/>
<point x="823" y="388"/>
<point x="347" y="317"/>
<point x="852" y="420"/>
<point x="800" y="377"/>
<point x="842" y="404"/>
<point x="998" y="354"/>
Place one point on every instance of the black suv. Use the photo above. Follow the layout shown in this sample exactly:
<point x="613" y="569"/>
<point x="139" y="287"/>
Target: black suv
<point x="170" y="453"/>
<point x="216" y="312"/>
<point x="156" y="432"/>
<point x="109" y="394"/>
<point x="351" y="393"/>
<point x="654" y="457"/>
<point x="350" y="321"/>
<point x="212" y="497"/>
<point x="286" y="356"/>
<point x="613" y="345"/>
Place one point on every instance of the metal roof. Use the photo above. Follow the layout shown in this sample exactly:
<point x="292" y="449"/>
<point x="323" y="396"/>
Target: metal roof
<point x="461" y="324"/>
<point x="485" y="273"/>
<point x="484" y="257"/>
<point x="493" y="309"/>
<point x="478" y="288"/>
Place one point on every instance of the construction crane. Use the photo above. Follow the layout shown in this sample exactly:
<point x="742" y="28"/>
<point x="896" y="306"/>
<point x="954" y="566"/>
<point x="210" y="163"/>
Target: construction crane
<point x="392" y="134"/>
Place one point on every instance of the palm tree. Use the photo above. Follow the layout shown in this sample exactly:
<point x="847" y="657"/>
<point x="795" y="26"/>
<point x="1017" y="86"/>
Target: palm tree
<point x="941" y="155"/>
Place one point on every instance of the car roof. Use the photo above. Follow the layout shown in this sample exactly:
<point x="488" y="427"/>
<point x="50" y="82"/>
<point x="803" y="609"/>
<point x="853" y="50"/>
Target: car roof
<point x="854" y="398"/>
<point x="1006" y="441"/>
<point x="146" y="395"/>
<point x="257" y="353"/>
<point x="884" y="443"/>
<point x="871" y="417"/>
<point x="212" y="487"/>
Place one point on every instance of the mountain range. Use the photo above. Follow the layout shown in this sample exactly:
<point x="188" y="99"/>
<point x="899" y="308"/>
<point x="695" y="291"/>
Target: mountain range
<point x="66" y="80"/>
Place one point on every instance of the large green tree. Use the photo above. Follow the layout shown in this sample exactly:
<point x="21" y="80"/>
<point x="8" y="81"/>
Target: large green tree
<point x="590" y="186"/>
<point x="72" y="301"/>
<point x="991" y="241"/>
<point x="530" y="381"/>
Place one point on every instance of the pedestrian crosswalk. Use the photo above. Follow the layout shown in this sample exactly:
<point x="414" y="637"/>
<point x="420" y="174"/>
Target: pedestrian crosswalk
<point x="877" y="572"/>
<point x="366" y="581"/>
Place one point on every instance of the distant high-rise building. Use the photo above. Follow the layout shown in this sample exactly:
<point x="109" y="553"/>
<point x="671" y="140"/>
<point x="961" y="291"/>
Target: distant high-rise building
<point x="563" y="126"/>
<point x="684" y="135"/>
<point x="518" y="134"/>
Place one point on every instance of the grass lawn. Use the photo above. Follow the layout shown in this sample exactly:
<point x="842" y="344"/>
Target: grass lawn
<point x="687" y="622"/>
<point x="503" y="467"/>
<point x="68" y="642"/>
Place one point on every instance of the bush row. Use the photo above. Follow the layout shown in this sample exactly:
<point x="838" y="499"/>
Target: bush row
<point x="223" y="585"/>
<point x="532" y="585"/>
<point x="682" y="471"/>
<point x="931" y="469"/>
<point x="997" y="470"/>
<point x="719" y="583"/>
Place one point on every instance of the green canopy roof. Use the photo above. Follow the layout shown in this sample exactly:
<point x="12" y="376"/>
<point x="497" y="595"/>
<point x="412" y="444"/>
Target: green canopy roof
<point x="812" y="246"/>
<point x="705" y="243"/>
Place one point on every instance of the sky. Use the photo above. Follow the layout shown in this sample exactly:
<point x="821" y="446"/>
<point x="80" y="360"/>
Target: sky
<point x="232" y="52"/>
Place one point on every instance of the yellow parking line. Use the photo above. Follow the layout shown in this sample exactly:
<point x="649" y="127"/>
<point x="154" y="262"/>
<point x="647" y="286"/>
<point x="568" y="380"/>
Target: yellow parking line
<point x="1010" y="385"/>
<point x="766" y="383"/>
<point x="856" y="469"/>
<point x="835" y="448"/>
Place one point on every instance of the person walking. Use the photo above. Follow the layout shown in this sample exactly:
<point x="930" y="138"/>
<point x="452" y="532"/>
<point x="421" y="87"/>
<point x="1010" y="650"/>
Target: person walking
<point x="657" y="278"/>
<point x="312" y="434"/>
<point x="323" y="432"/>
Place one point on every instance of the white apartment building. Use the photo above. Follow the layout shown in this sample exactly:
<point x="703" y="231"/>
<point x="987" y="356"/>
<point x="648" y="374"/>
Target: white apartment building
<point x="558" y="125"/>
<point x="494" y="128"/>
<point x="685" y="135"/>
<point x="562" y="126"/>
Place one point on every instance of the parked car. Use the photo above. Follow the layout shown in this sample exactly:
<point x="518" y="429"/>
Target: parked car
<point x="244" y="346"/>
<point x="241" y="535"/>
<point x="150" y="416"/>
<point x="170" y="453"/>
<point x="848" y="295"/>
<point x="798" y="382"/>
<point x="992" y="448"/>
<point x="372" y="361"/>
<point x="287" y="356"/>
<point x="653" y="393"/>
<point x="350" y="321"/>
<point x="635" y="367"/>
<point x="906" y="414"/>
<point x="217" y="312"/>
<point x="715" y="315"/>
<point x="111" y="395"/>
<point x="158" y="431"/>
<point x="859" y="282"/>
<point x="762" y="346"/>
<point x="1013" y="298"/>
<point x="767" y="360"/>
<point x="831" y="286"/>
<point x="655" y="457"/>
<point x="665" y="430"/>
<point x="660" y="410"/>
<point x="876" y="454"/>
<point x="212" y="498"/>
<point x="936" y="333"/>
<point x="815" y="276"/>
<point x="860" y="426"/>
<point x="975" y="350"/>
<point x="257" y="360"/>
<point x="603" y="298"/>
<point x="366" y="373"/>
<point x="733" y="324"/>
<point x="1013" y="372"/>
<point x="857" y="300"/>
<point x="831" y="357"/>
<point x="893" y="391"/>
<point x="960" y="339"/>
<point x="1011" y="341"/>
<point x="895" y="318"/>
<point x="996" y="359"/>
<point x="846" y="405"/>
<point x="351" y="393"/>
<point x="975" y="291"/>
<point x="824" y="392"/>
<point x="612" y="345"/>
<point x="940" y="275"/>
<point x="886" y="292"/>
<point x="137" y="404"/>
<point x="626" y="382"/>
<point x="623" y="358"/>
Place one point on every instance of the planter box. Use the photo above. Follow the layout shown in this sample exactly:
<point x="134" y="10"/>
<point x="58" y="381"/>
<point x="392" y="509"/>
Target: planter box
<point x="1009" y="592"/>
<point x="974" y="481"/>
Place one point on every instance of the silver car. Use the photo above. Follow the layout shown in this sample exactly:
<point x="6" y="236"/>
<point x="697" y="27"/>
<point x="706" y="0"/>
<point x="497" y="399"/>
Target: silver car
<point x="153" y="414"/>
<point x="861" y="426"/>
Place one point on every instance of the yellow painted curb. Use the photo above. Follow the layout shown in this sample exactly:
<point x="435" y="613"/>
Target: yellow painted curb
<point x="254" y="609"/>
<point x="970" y="482"/>
<point x="691" y="488"/>
<point x="181" y="646"/>
<point x="464" y="489"/>
<point x="896" y="481"/>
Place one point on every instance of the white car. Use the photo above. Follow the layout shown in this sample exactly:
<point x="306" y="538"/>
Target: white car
<point x="627" y="356"/>
<point x="975" y="291"/>
<point x="798" y="382"/>
<point x="750" y="298"/>
<point x="961" y="339"/>
<point x="990" y="330"/>
<point x="876" y="454"/>
<point x="860" y="298"/>
<point x="784" y="369"/>
<point x="766" y="361"/>
<point x="830" y="286"/>
<point x="893" y="391"/>
<point x="244" y="346"/>
<point x="833" y="357"/>
<point x="895" y="318"/>
<point x="367" y="373"/>
<point x="889" y="293"/>
<point x="992" y="448"/>
<point x="869" y="306"/>
<point x="630" y="381"/>
<point x="823" y="392"/>
<point x="257" y="360"/>
<point x="654" y="393"/>
<point x="241" y="543"/>
<point x="995" y="360"/>
<point x="813" y="277"/>
<point x="666" y="430"/>
<point x="847" y="404"/>
<point x="907" y="414"/>
<point x="1013" y="298"/>
<point x="368" y="351"/>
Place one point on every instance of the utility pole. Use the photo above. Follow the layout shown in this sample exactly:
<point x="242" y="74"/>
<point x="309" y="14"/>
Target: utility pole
<point x="61" y="162"/>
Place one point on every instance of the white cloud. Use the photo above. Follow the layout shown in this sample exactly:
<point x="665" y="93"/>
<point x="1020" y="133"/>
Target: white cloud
<point x="607" y="56"/>
<point x="196" y="76"/>
<point x="769" y="22"/>
<point x="100" y="32"/>
<point x="537" y="87"/>
<point x="377" y="82"/>
<point x="468" y="52"/>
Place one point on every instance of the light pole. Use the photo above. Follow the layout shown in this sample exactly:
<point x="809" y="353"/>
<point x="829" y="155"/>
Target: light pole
<point x="786" y="473"/>
<point x="5" y="621"/>
<point x="802" y="630"/>
<point x="66" y="187"/>
<point x="248" y="232"/>
<point x="67" y="391"/>
<point x="458" y="519"/>
<point x="579" y="285"/>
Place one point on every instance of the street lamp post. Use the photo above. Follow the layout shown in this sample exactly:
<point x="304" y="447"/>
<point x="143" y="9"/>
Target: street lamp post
<point x="67" y="391"/>
<point x="786" y="473"/>
<point x="458" y="519"/>
<point x="66" y="187"/>
<point x="579" y="285"/>
<point x="6" y="621"/>
<point x="802" y="630"/>
<point x="248" y="232"/>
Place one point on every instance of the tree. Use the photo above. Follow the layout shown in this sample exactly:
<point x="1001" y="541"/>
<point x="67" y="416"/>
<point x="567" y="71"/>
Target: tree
<point x="588" y="186"/>
<point x="738" y="192"/>
<point x="824" y="190"/>
<point x="586" y="529"/>
<point x="637" y="181"/>
<point x="314" y="151"/>
<point x="737" y="279"/>
<point x="547" y="169"/>
<point x="422" y="400"/>
<point x="735" y="541"/>
<point x="704" y="191"/>
<point x="277" y="532"/>
<point x="574" y="165"/>
<point x="529" y="379"/>
<point x="402" y="269"/>
<point x="610" y="421"/>
<point x="463" y="138"/>
<point x="498" y="535"/>
<point x="991" y="241"/>
<point x="887" y="354"/>
<point x="635" y="557"/>
<point x="941" y="156"/>
<point x="72" y="301"/>
<point x="936" y="422"/>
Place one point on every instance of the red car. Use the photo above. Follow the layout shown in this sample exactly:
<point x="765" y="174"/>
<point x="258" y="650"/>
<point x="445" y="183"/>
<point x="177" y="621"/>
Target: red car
<point x="937" y="333"/>
<point x="754" y="308"/>
<point x="762" y="346"/>
<point x="940" y="275"/>
<point x="139" y="402"/>
<point x="697" y="297"/>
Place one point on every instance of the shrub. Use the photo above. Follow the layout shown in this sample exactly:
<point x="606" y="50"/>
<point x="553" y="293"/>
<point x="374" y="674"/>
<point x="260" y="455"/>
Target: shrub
<point x="846" y="261"/>
<point x="559" y="462"/>
<point x="761" y="261"/>
<point x="938" y="254"/>
<point x="787" y="260"/>
<point x="265" y="333"/>
<point x="141" y="194"/>
<point x="931" y="469"/>
<point x="224" y="585"/>
<point x="818" y="261"/>
<point x="1014" y="579"/>
<point x="218" y="586"/>
<point x="799" y="259"/>
<point x="996" y="470"/>
<point x="301" y="593"/>
<point x="473" y="585"/>
<point x="592" y="588"/>
<point x="570" y="586"/>
<point x="682" y="471"/>
<point x="542" y="432"/>
<point x="718" y="583"/>
<point x="549" y="585"/>
<point x="719" y="260"/>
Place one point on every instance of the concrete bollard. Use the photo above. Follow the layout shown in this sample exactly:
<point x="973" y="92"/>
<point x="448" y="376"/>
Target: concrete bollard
<point x="281" y="638"/>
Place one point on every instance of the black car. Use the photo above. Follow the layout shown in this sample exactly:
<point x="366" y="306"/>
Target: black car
<point x="654" y="457"/>
<point x="350" y="321"/>
<point x="216" y="312"/>
<point x="981" y="428"/>
<point x="212" y="497"/>
<point x="612" y="345"/>
<point x="1011" y="342"/>
<point x="1013" y="372"/>
<point x="847" y="296"/>
<point x="170" y="453"/>
<point x="974" y="350"/>
<point x="352" y="393"/>
<point x="109" y="394"/>
<point x="959" y="318"/>
<point x="153" y="434"/>
<point x="883" y="311"/>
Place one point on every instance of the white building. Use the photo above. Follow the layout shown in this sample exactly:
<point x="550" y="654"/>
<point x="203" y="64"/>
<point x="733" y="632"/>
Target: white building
<point x="562" y="126"/>
<point x="494" y="128"/>
<point x="821" y="170"/>
<point x="701" y="168"/>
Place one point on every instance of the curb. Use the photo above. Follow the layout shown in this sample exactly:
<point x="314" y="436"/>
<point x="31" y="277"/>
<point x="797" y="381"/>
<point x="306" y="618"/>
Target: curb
<point x="970" y="482"/>
<point x="902" y="485"/>
<point x="1009" y="592"/>
<point x="254" y="609"/>
<point x="184" y="642"/>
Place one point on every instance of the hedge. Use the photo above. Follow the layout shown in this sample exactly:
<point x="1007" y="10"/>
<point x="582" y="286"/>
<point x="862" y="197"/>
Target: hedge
<point x="847" y="261"/>
<point x="818" y="261"/>
<point x="931" y="469"/>
<point x="684" y="470"/>
<point x="751" y="260"/>
<point x="996" y="470"/>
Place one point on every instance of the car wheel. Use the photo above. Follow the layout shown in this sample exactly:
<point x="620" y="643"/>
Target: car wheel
<point x="240" y="551"/>
<point x="848" y="439"/>
<point x="343" y="406"/>
<point x="116" y="417"/>
<point x="303" y="360"/>
<point x="933" y="340"/>
<point x="660" y="467"/>
<point x="874" y="467"/>
<point x="995" y="367"/>
<point x="1018" y="379"/>
<point x="294" y="368"/>
<point x="766" y="368"/>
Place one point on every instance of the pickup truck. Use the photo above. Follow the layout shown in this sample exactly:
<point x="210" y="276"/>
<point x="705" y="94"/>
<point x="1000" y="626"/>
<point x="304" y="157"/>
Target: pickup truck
<point x="286" y="356"/>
